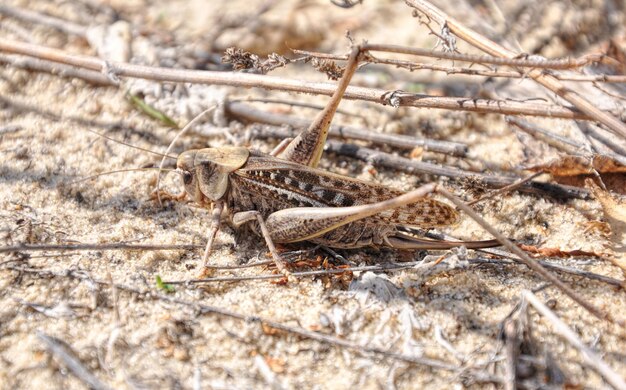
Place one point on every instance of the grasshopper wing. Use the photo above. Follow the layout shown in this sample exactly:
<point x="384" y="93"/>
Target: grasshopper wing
<point x="301" y="186"/>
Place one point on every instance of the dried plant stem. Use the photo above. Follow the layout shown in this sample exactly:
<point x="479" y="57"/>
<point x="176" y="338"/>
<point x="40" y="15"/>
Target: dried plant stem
<point x="524" y="258"/>
<point x="591" y="358"/>
<point x="301" y="274"/>
<point x="391" y="267"/>
<point x="605" y="139"/>
<point x="246" y="80"/>
<point x="495" y="59"/>
<point x="380" y="267"/>
<point x="61" y="70"/>
<point x="249" y="113"/>
<point x="38" y="18"/>
<point x="512" y="343"/>
<point x="413" y="65"/>
<point x="413" y="167"/>
<point x="562" y="143"/>
<point x="96" y="247"/>
<point x="481" y="42"/>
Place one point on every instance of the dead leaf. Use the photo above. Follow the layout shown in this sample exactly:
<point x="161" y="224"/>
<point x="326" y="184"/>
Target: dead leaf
<point x="556" y="252"/>
<point x="276" y="364"/>
<point x="580" y="165"/>
<point x="602" y="228"/>
<point x="271" y="331"/>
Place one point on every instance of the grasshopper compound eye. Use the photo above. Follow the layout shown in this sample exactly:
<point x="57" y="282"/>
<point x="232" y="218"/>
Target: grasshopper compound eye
<point x="187" y="177"/>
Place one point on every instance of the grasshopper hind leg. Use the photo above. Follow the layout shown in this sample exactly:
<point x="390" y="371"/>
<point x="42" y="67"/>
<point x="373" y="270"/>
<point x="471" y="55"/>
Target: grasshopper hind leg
<point x="307" y="147"/>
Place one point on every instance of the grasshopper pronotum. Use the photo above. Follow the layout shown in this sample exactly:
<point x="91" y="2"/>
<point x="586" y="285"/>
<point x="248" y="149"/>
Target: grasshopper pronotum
<point x="283" y="197"/>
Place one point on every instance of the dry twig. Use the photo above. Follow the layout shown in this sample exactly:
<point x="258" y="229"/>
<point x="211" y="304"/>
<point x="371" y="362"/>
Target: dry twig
<point x="413" y="65"/>
<point x="113" y="69"/>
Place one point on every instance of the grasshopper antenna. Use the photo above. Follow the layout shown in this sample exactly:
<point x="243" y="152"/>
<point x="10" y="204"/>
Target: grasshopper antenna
<point x="116" y="171"/>
<point x="188" y="126"/>
<point x="164" y="155"/>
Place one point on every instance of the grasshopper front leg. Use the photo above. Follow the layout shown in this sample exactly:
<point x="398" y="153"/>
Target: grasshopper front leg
<point x="307" y="147"/>
<point x="214" y="227"/>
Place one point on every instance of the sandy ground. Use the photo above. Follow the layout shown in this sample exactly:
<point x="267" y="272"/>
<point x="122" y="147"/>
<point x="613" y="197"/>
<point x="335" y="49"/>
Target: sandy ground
<point x="453" y="314"/>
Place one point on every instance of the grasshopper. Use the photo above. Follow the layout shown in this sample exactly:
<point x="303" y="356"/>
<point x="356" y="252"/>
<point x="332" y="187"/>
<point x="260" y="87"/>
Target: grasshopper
<point x="285" y="198"/>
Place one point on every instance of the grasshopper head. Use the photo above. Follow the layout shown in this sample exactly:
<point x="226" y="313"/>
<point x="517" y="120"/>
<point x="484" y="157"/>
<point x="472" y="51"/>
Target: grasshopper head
<point x="205" y="171"/>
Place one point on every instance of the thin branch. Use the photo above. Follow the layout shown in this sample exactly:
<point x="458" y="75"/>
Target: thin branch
<point x="291" y="103"/>
<point x="477" y="40"/>
<point x="54" y="68"/>
<point x="240" y="266"/>
<point x="333" y="271"/>
<point x="249" y="113"/>
<point x="561" y="143"/>
<point x="96" y="247"/>
<point x="591" y="358"/>
<point x="549" y="265"/>
<point x="413" y="65"/>
<point x="512" y="346"/>
<point x="539" y="62"/>
<point x="413" y="167"/>
<point x="113" y="69"/>
<point x="582" y="273"/>
<point x="607" y="140"/>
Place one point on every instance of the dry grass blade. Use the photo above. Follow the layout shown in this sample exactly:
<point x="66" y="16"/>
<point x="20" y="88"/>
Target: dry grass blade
<point x="591" y="358"/>
<point x="71" y="361"/>
<point x="61" y="70"/>
<point x="540" y="270"/>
